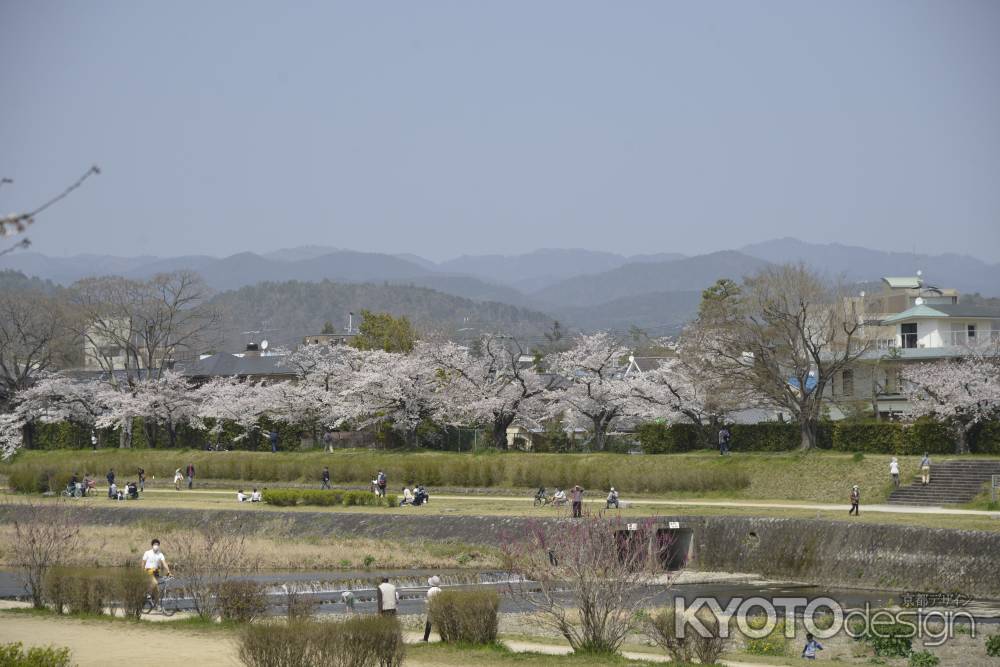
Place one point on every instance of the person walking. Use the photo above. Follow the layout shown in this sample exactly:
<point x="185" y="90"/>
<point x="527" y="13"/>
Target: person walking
<point x="855" y="501"/>
<point x="724" y="438"/>
<point x="435" y="588"/>
<point x="577" y="495"/>
<point x="809" y="651"/>
<point x="925" y="469"/>
<point x="190" y="475"/>
<point x="93" y="439"/>
<point x="111" y="480"/>
<point x="326" y="477"/>
<point x="178" y="478"/>
<point x="381" y="482"/>
<point x="142" y="479"/>
<point x="388" y="598"/>
<point x="273" y="437"/>
<point x="894" y="471"/>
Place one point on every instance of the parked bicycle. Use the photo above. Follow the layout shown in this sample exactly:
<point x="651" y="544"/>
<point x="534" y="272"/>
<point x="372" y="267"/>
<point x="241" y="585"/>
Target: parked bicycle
<point x="165" y="599"/>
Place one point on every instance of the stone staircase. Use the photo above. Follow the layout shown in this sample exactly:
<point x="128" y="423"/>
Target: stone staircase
<point x="952" y="482"/>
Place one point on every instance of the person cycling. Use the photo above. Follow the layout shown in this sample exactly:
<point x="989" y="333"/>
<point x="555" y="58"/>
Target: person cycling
<point x="153" y="561"/>
<point x="540" y="493"/>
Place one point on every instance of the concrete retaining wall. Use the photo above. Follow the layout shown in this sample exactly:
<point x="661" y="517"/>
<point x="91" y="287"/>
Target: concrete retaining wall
<point x="834" y="553"/>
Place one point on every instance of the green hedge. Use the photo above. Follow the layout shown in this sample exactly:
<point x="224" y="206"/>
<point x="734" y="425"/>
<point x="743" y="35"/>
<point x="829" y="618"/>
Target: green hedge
<point x="659" y="438"/>
<point x="924" y="435"/>
<point x="327" y="498"/>
<point x="985" y="438"/>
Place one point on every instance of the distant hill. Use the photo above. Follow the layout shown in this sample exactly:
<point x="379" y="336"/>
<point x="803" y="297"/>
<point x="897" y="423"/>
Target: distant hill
<point x="656" y="313"/>
<point x="534" y="270"/>
<point x="293" y="309"/>
<point x="631" y="280"/>
<point x="962" y="272"/>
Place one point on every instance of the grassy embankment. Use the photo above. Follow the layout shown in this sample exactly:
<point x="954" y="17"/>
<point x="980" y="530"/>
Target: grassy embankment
<point x="794" y="476"/>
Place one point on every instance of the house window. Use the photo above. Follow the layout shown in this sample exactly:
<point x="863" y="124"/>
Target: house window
<point x="970" y="331"/>
<point x="908" y="333"/>
<point x="847" y="382"/>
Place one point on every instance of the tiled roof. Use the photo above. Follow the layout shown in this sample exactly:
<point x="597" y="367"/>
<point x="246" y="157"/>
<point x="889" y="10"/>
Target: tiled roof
<point x="908" y="282"/>
<point x="228" y="365"/>
<point x="944" y="310"/>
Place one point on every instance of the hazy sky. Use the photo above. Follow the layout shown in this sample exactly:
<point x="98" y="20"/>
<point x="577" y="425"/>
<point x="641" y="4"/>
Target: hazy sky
<point x="443" y="128"/>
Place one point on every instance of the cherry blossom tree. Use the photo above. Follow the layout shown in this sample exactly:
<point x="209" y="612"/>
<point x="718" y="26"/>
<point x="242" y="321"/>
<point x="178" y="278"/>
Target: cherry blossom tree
<point x="391" y="387"/>
<point x="491" y="387"/>
<point x="52" y="398"/>
<point x="230" y="398"/>
<point x="962" y="392"/>
<point x="592" y="389"/>
<point x="168" y="401"/>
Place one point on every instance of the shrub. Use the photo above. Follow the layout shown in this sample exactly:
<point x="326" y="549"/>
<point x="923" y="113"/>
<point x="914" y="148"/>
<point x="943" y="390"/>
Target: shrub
<point x="298" y="606"/>
<point x="661" y="629"/>
<point x="275" y="645"/>
<point x="14" y="655"/>
<point x="128" y="588"/>
<point x="465" y="616"/>
<point x="708" y="647"/>
<point x="924" y="659"/>
<point x="361" y="641"/>
<point x="889" y="640"/>
<point x="774" y="643"/>
<point x="868" y="436"/>
<point x="927" y="435"/>
<point x="241" y="600"/>
<point x="89" y="591"/>
<point x="993" y="646"/>
<point x="766" y="437"/>
<point x="985" y="438"/>
<point x="56" y="588"/>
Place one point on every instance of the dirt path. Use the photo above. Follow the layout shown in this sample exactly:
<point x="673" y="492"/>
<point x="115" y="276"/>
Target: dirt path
<point x="823" y="507"/>
<point x="100" y="643"/>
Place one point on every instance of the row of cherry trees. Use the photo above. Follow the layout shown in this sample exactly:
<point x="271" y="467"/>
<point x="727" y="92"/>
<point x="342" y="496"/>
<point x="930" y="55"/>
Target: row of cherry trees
<point x="490" y="386"/>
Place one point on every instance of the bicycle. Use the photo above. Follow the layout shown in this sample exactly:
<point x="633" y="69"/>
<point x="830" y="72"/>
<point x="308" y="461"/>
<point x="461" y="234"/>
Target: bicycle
<point x="166" y="602"/>
<point x="74" y="491"/>
<point x="541" y="501"/>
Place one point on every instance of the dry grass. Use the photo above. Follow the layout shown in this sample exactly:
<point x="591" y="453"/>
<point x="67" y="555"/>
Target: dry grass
<point x="112" y="546"/>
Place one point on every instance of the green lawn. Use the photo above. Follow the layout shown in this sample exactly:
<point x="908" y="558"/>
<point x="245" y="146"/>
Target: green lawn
<point x="819" y="476"/>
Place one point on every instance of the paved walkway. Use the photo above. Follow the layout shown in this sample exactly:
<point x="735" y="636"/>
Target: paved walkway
<point x="821" y="507"/>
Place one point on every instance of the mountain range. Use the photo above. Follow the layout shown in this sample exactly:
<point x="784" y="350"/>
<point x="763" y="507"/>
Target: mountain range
<point x="585" y="288"/>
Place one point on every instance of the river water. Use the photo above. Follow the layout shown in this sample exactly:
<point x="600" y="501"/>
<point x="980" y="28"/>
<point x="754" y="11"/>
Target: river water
<point x="326" y="589"/>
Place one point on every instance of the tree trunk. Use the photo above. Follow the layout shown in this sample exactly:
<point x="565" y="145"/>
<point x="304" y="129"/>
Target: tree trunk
<point x="172" y="434"/>
<point x="600" y="434"/>
<point x="28" y="435"/>
<point x="808" y="427"/>
<point x="500" y="426"/>
<point x="149" y="426"/>
<point x="961" y="440"/>
<point x="125" y="434"/>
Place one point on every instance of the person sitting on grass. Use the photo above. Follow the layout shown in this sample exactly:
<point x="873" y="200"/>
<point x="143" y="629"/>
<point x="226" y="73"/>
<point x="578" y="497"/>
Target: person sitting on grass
<point x="559" y="497"/>
<point x="407" y="497"/>
<point x="133" y="491"/>
<point x="420" y="496"/>
<point x="255" y="496"/>
<point x="241" y="497"/>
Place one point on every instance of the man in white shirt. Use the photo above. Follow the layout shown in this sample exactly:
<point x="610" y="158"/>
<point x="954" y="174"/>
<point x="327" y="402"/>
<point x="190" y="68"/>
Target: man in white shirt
<point x="407" y="497"/>
<point x="241" y="497"/>
<point x="255" y="496"/>
<point x="388" y="598"/>
<point x="153" y="561"/>
<point x="559" y="497"/>
<point x="435" y="588"/>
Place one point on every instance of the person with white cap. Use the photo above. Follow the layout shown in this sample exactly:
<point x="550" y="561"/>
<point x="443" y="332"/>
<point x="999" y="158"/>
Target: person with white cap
<point x="612" y="499"/>
<point x="435" y="588"/>
<point x="855" y="500"/>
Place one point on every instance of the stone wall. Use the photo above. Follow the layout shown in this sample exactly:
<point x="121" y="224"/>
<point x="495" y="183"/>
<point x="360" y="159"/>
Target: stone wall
<point x="823" y="552"/>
